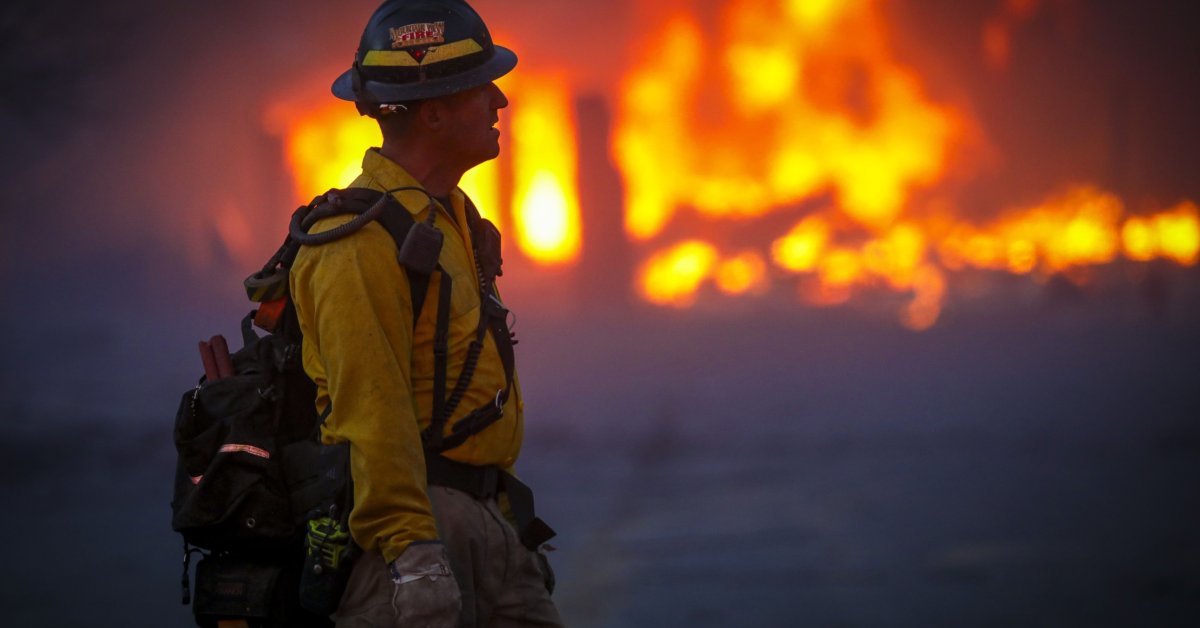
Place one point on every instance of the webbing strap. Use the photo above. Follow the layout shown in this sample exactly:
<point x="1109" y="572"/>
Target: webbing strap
<point x="432" y="436"/>
<point x="398" y="221"/>
<point x="492" y="318"/>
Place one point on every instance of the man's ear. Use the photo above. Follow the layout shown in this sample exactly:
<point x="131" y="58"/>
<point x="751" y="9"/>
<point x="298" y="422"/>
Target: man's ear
<point x="432" y="114"/>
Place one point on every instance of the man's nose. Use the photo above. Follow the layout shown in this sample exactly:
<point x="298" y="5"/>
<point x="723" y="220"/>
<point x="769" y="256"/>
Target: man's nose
<point x="499" y="100"/>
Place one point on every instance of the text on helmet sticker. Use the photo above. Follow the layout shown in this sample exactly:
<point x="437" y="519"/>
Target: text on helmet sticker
<point x="418" y="34"/>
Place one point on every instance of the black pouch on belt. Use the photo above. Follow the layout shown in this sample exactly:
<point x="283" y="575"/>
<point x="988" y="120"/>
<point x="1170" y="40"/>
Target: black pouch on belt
<point x="321" y="493"/>
<point x="532" y="530"/>
<point x="261" y="590"/>
<point x="230" y="587"/>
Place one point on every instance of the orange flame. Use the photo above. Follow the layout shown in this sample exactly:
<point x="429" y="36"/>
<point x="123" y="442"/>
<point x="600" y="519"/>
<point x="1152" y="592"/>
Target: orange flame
<point x="808" y="101"/>
<point x="812" y="103"/>
<point x="546" y="198"/>
<point x="324" y="145"/>
<point x="324" y="148"/>
<point x="482" y="184"/>
<point x="1173" y="234"/>
<point x="1078" y="228"/>
<point x="672" y="277"/>
<point x="781" y="105"/>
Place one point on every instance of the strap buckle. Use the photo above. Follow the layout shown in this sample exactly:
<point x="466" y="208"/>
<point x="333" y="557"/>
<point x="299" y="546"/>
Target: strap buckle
<point x="496" y="307"/>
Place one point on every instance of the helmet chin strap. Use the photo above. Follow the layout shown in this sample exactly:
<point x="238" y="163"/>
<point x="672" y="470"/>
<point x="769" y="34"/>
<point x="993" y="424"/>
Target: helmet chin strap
<point x="364" y="101"/>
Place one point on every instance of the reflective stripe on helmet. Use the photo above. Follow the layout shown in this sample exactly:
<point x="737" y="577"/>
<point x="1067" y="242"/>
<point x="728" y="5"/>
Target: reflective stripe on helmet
<point x="433" y="54"/>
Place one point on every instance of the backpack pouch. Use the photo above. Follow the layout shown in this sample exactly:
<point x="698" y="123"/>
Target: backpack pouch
<point x="229" y="490"/>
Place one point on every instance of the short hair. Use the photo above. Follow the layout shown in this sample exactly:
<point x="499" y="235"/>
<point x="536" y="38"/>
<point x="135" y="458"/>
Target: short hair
<point x="396" y="118"/>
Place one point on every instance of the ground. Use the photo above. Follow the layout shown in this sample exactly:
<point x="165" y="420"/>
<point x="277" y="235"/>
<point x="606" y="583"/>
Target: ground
<point x="786" y="469"/>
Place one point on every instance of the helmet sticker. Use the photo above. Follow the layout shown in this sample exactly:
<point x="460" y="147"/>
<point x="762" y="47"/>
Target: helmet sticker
<point x="418" y="34"/>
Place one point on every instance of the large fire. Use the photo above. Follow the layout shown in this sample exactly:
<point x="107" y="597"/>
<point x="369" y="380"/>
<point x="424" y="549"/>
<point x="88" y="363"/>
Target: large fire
<point x="790" y="101"/>
<point x="775" y="108"/>
<point x="798" y="99"/>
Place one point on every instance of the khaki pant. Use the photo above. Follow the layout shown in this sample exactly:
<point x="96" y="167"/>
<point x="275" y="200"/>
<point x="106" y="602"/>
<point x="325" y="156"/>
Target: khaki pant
<point x="501" y="581"/>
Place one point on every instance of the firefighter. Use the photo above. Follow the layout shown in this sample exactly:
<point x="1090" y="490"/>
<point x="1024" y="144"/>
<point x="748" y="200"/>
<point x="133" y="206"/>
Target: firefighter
<point x="425" y="393"/>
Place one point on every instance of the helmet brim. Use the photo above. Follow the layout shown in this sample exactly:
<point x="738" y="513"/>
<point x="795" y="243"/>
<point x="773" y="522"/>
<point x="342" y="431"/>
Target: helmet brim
<point x="501" y="63"/>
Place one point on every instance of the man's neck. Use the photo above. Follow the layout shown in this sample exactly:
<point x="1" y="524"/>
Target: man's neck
<point x="434" y="175"/>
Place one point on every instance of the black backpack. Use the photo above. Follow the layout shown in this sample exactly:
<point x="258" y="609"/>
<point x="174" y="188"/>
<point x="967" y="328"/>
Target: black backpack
<point x="252" y="477"/>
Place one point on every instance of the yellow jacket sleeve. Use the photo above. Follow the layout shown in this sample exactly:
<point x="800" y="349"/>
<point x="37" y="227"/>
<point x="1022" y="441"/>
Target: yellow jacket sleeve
<point x="352" y="299"/>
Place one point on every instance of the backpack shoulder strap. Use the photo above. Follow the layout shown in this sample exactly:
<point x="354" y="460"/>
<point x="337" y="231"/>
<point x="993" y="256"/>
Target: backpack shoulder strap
<point x="398" y="222"/>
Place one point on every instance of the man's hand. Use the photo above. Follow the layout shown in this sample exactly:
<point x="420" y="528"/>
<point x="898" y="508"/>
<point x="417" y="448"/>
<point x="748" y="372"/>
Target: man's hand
<point x="426" y="592"/>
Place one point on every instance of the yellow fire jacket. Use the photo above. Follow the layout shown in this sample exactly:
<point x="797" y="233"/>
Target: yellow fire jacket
<point x="360" y="347"/>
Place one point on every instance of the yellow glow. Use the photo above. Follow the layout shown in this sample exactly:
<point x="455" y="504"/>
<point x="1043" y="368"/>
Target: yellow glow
<point x="1173" y="234"/>
<point x="324" y="146"/>
<point x="1078" y="227"/>
<point x="1178" y="233"/>
<point x="842" y="267"/>
<point x="651" y="99"/>
<point x="482" y="184"/>
<point x="546" y="196"/>
<point x="801" y="249"/>
<point x="1022" y="257"/>
<point x="897" y="256"/>
<point x="764" y="76"/>
<point x="1139" y="240"/>
<point x="672" y="276"/>
<point x="816" y="14"/>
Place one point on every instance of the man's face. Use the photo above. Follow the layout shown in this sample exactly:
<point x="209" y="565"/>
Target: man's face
<point x="470" y="116"/>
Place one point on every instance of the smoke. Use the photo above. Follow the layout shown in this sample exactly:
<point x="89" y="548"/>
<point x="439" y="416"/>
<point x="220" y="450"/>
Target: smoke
<point x="130" y="127"/>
